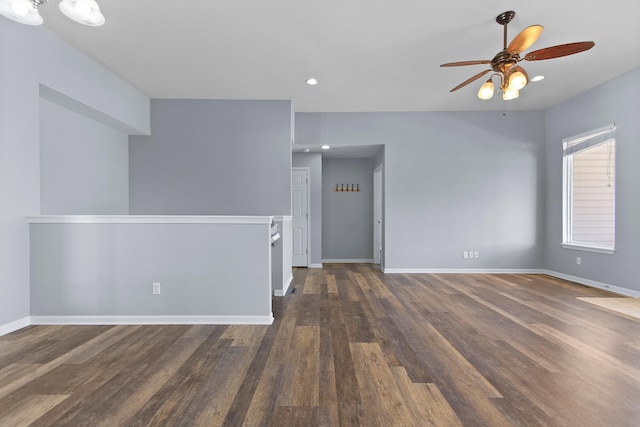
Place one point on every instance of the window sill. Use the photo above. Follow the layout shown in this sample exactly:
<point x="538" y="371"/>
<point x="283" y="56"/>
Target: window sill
<point x="588" y="248"/>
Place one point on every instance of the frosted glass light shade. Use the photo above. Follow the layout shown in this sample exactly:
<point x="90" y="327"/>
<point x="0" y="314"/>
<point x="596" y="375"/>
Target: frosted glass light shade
<point x="85" y="12"/>
<point x="517" y="81"/>
<point x="508" y="94"/>
<point x="22" y="11"/>
<point x="486" y="90"/>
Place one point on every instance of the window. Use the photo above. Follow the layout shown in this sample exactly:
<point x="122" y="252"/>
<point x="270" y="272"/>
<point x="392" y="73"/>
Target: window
<point x="589" y="191"/>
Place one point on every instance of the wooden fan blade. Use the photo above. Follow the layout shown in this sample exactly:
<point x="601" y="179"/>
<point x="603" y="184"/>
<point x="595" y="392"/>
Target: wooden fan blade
<point x="458" y="64"/>
<point x="469" y="80"/>
<point x="558" y="51"/>
<point x="525" y="39"/>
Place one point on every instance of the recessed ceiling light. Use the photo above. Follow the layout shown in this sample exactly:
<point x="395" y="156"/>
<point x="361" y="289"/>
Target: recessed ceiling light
<point x="537" y="78"/>
<point x="325" y="147"/>
<point x="312" y="81"/>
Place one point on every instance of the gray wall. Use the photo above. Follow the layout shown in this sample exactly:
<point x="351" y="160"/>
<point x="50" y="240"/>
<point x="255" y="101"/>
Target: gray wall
<point x="347" y="217"/>
<point x="282" y="256"/>
<point x="313" y="161"/>
<point x="617" y="101"/>
<point x="207" y="157"/>
<point x="84" y="164"/>
<point x="454" y="181"/>
<point x="52" y="63"/>
<point x="109" y="269"/>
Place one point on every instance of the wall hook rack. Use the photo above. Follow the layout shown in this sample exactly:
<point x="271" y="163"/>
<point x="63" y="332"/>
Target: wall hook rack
<point x="347" y="187"/>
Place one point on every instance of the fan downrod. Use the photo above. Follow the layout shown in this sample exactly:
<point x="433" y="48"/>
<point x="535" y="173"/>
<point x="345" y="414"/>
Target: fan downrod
<point x="505" y="17"/>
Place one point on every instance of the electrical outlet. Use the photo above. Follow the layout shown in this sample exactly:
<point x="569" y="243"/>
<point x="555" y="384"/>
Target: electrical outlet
<point x="156" y="288"/>
<point x="578" y="260"/>
<point x="475" y="254"/>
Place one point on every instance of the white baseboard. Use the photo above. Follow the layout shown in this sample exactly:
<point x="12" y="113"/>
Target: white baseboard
<point x="594" y="284"/>
<point x="580" y="280"/>
<point x="152" y="320"/>
<point x="7" y="328"/>
<point x="460" y="271"/>
<point x="315" y="265"/>
<point x="283" y="292"/>
<point x="348" y="261"/>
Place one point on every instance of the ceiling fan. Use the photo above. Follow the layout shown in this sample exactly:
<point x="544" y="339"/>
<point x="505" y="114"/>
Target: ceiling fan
<point x="505" y="64"/>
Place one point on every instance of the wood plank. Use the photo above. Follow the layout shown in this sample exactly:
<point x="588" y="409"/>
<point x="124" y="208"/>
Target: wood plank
<point x="180" y="396"/>
<point x="92" y="346"/>
<point x="332" y="286"/>
<point x="372" y="290"/>
<point x="425" y="402"/>
<point x="30" y="409"/>
<point x="220" y="405"/>
<point x="308" y="310"/>
<point x="329" y="416"/>
<point x="347" y="389"/>
<point x="244" y="335"/>
<point x="127" y="397"/>
<point x="295" y="416"/>
<point x="263" y="404"/>
<point x="246" y="391"/>
<point x="300" y="382"/>
<point x="313" y="281"/>
<point x="382" y="401"/>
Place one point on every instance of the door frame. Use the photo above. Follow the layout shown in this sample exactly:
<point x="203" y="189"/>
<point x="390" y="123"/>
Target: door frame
<point x="378" y="202"/>
<point x="308" y="184"/>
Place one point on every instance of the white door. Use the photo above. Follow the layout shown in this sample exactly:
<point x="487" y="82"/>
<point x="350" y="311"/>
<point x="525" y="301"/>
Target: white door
<point x="377" y="215"/>
<point x="300" y="216"/>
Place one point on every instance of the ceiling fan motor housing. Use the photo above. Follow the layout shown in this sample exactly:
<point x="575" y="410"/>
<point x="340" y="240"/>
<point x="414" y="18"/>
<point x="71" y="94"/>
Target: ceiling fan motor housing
<point x="503" y="61"/>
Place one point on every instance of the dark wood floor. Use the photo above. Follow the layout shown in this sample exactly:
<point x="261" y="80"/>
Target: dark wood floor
<point x="351" y="346"/>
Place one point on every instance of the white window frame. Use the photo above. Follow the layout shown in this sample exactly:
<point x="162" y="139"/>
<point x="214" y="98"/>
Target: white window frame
<point x="570" y="146"/>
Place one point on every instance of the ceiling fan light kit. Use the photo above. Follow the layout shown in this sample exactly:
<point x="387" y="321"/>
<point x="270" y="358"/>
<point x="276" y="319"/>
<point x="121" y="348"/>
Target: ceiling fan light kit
<point x="86" y="12"/>
<point x="513" y="77"/>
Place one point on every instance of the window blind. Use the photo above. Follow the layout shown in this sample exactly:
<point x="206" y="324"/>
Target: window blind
<point x="580" y="142"/>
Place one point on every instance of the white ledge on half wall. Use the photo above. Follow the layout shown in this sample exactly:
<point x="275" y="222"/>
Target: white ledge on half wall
<point x="148" y="219"/>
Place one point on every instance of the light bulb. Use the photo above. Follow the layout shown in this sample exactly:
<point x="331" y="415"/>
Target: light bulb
<point x="486" y="90"/>
<point x="517" y="81"/>
<point x="22" y="11"/>
<point x="85" y="12"/>
<point x="83" y="7"/>
<point x="20" y="8"/>
<point x="508" y="94"/>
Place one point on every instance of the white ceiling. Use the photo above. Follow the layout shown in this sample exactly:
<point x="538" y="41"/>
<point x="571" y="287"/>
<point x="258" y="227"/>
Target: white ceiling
<point x="369" y="55"/>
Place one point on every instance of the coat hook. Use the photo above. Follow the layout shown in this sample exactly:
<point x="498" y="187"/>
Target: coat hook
<point x="347" y="187"/>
